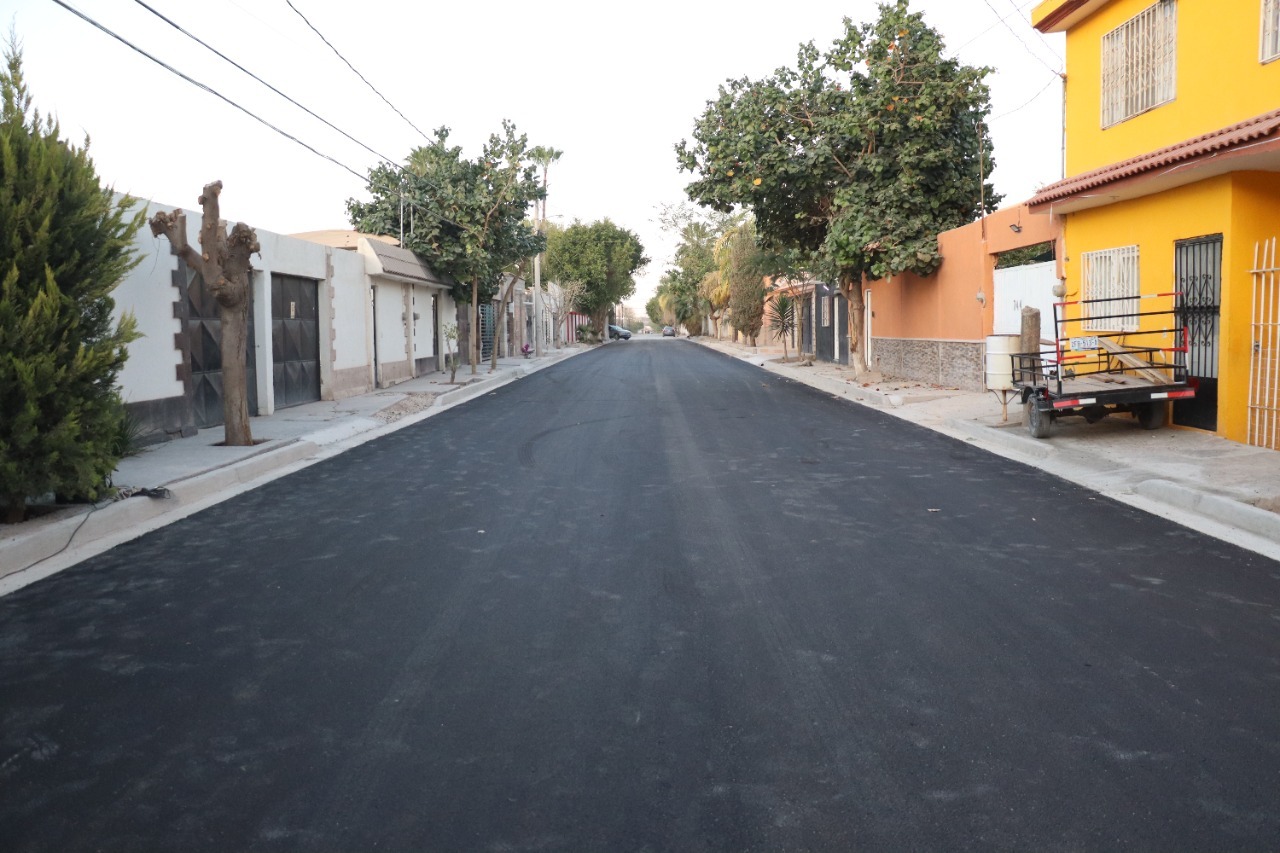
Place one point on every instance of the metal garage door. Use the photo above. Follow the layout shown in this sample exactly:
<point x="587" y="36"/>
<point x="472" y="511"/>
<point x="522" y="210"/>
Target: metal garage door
<point x="295" y="340"/>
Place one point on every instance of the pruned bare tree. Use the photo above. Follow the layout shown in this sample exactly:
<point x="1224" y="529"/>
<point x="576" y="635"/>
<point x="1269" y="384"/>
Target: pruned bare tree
<point x="223" y="261"/>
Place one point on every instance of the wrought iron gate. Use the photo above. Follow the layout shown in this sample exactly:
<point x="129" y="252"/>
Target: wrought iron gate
<point x="486" y="331"/>
<point x="1198" y="270"/>
<point x="1264" y="364"/>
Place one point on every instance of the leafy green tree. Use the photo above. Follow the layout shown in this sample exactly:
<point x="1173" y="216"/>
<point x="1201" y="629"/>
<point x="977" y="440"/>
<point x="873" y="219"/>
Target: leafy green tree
<point x="64" y="246"/>
<point x="855" y="159"/>
<point x="604" y="257"/>
<point x="654" y="309"/>
<point x="694" y="259"/>
<point x="742" y="268"/>
<point x="466" y="217"/>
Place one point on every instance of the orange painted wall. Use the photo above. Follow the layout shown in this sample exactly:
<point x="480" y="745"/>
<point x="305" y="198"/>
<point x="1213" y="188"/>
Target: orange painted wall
<point x="944" y="306"/>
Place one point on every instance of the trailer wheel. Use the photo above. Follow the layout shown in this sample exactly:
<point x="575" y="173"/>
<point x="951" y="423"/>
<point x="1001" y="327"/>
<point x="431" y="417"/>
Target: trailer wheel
<point x="1152" y="415"/>
<point x="1037" y="421"/>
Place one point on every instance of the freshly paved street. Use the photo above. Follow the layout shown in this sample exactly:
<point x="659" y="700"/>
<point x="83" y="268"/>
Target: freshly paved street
<point x="650" y="598"/>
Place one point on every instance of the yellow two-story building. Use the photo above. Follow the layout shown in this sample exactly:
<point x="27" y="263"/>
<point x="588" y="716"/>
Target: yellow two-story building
<point x="1172" y="153"/>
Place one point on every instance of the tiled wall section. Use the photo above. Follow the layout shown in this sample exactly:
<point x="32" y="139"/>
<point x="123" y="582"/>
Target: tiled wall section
<point x="952" y="364"/>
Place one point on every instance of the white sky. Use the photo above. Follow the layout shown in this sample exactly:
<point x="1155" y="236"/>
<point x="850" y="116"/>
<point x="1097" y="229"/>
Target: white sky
<point x="614" y="86"/>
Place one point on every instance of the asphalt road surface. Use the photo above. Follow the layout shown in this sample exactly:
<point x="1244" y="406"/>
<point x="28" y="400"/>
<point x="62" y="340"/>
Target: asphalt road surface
<point x="649" y="599"/>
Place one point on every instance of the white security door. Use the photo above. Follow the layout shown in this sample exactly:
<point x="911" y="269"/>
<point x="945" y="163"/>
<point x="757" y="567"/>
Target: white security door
<point x="1029" y="286"/>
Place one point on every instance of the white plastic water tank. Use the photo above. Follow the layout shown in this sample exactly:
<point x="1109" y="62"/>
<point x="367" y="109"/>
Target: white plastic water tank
<point x="999" y="365"/>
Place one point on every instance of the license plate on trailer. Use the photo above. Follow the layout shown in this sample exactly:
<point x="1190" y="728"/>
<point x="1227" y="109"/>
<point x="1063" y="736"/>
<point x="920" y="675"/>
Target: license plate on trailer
<point x="1085" y="343"/>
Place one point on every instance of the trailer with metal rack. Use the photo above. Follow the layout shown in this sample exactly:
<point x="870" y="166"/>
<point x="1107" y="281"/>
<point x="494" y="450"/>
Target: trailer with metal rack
<point x="1109" y="356"/>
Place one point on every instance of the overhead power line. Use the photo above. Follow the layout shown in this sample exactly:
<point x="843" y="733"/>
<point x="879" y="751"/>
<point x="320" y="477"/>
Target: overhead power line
<point x="354" y="71"/>
<point x="392" y="164"/>
<point x="1028" y="103"/>
<point x="208" y="89"/>
<point x="227" y="59"/>
<point x="223" y="56"/>
<point x="1020" y="39"/>
<point x="1018" y="11"/>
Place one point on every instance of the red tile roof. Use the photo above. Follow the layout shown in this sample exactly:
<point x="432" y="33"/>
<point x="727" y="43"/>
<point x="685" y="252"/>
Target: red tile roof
<point x="1252" y="130"/>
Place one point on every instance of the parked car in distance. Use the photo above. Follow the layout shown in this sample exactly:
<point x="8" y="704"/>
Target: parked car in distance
<point x="616" y="332"/>
<point x="668" y="332"/>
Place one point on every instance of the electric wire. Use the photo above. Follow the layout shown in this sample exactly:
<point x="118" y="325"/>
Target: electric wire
<point x="354" y="71"/>
<point x="364" y="178"/>
<point x="991" y="27"/>
<point x="232" y="62"/>
<point x="228" y="59"/>
<point x="1018" y="11"/>
<point x="208" y="89"/>
<point x="1026" y="104"/>
<point x="1021" y="41"/>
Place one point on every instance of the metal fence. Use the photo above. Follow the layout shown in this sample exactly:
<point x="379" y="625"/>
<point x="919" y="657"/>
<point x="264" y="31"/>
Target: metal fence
<point x="1264" y="365"/>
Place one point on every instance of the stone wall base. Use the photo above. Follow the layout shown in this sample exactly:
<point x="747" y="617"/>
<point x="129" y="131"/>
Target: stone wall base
<point x="162" y="420"/>
<point x="350" y="382"/>
<point x="392" y="373"/>
<point x="952" y="364"/>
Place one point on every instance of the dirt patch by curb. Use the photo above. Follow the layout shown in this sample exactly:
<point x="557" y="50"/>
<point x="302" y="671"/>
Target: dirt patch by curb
<point x="414" y="402"/>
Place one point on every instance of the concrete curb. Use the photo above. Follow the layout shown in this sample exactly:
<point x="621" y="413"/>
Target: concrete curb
<point x="24" y="550"/>
<point x="1219" y="508"/>
<point x="102" y="526"/>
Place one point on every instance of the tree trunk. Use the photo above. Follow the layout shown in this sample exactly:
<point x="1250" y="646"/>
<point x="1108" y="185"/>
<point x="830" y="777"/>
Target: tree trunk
<point x="477" y="342"/>
<point x="851" y="288"/>
<point x="15" y="511"/>
<point x="462" y="315"/>
<point x="235" y="385"/>
<point x="224" y="262"/>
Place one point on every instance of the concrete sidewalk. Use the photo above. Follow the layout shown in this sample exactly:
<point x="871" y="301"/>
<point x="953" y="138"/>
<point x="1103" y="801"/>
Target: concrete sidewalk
<point x="1219" y="487"/>
<point x="166" y="482"/>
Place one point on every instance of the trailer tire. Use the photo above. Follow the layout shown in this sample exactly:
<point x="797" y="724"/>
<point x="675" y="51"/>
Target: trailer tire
<point x="1152" y="415"/>
<point x="1037" y="420"/>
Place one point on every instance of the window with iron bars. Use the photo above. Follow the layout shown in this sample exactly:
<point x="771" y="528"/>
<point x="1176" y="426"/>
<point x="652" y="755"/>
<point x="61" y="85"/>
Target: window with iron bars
<point x="826" y="310"/>
<point x="1112" y="275"/>
<point x="1139" y="63"/>
<point x="1270" y="47"/>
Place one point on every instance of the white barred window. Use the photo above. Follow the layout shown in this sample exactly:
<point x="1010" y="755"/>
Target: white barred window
<point x="1112" y="275"/>
<point x="826" y="310"/>
<point x="1139" y="63"/>
<point x="1270" y="48"/>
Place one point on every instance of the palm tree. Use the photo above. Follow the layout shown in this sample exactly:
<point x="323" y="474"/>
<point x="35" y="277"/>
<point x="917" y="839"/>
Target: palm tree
<point x="782" y="319"/>
<point x="544" y="156"/>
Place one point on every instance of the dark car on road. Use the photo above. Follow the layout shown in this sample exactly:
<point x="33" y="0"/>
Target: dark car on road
<point x="616" y="332"/>
<point x="668" y="332"/>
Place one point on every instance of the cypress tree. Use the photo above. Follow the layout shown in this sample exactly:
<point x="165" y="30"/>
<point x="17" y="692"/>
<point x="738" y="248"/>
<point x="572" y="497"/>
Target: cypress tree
<point x="64" y="246"/>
